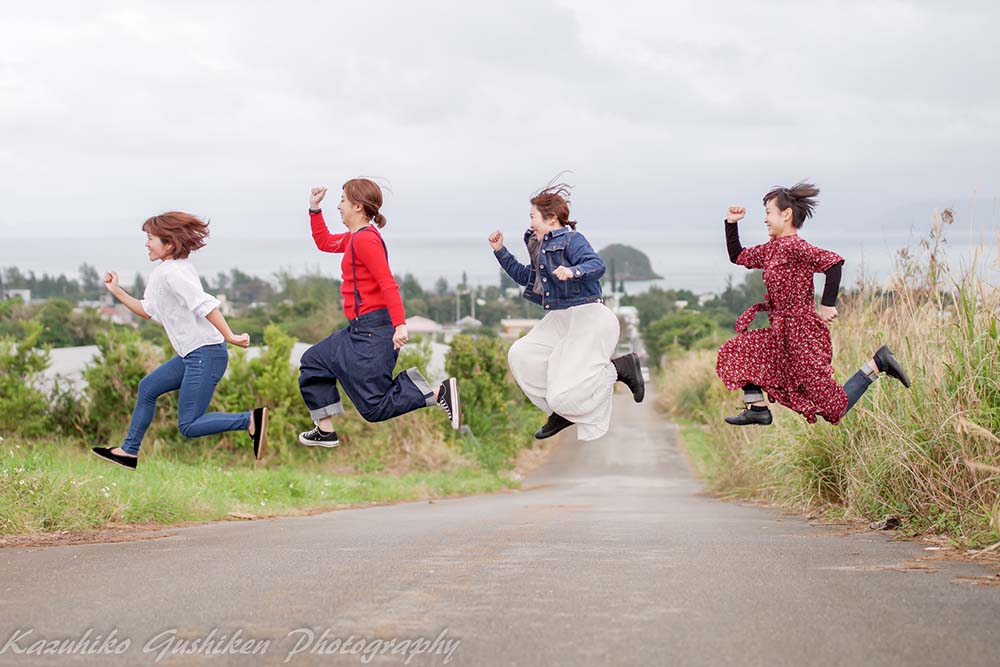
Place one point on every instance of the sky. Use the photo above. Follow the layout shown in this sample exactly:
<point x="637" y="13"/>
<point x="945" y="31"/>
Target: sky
<point x="665" y="112"/>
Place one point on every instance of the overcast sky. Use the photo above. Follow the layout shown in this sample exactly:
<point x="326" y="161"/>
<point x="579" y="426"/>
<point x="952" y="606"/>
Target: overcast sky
<point x="665" y="111"/>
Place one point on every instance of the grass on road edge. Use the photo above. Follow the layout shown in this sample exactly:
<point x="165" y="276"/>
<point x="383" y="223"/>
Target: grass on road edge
<point x="47" y="489"/>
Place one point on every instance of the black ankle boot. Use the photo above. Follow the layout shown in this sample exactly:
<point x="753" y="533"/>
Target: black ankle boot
<point x="888" y="364"/>
<point x="630" y="372"/>
<point x="552" y="426"/>
<point x="748" y="417"/>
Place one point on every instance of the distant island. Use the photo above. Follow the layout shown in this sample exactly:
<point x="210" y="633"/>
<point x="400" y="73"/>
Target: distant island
<point x="627" y="263"/>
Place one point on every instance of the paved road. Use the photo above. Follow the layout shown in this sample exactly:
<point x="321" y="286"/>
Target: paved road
<point x="613" y="557"/>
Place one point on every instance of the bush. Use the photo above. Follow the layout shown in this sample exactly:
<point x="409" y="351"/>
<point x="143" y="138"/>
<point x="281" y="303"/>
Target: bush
<point x="104" y="413"/>
<point x="500" y="419"/>
<point x="23" y="408"/>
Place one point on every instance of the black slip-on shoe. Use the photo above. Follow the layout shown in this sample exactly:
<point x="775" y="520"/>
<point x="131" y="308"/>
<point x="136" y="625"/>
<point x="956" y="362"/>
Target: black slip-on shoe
<point x="751" y="417"/>
<point x="888" y="363"/>
<point x="259" y="437"/>
<point x="448" y="401"/>
<point x="630" y="372"/>
<point x="554" y="424"/>
<point x="317" y="438"/>
<point x="130" y="462"/>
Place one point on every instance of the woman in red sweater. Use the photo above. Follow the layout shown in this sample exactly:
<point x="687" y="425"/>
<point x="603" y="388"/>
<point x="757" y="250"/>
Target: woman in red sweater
<point x="362" y="355"/>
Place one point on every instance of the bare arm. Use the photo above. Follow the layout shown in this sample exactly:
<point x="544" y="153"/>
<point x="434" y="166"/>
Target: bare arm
<point x="129" y="301"/>
<point x="218" y="320"/>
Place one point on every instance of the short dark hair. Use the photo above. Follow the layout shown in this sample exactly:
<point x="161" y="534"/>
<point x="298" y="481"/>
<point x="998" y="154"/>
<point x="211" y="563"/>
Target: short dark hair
<point x="801" y="198"/>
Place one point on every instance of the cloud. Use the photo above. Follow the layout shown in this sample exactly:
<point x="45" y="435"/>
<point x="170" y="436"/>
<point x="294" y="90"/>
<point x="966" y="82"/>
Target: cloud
<point x="111" y="111"/>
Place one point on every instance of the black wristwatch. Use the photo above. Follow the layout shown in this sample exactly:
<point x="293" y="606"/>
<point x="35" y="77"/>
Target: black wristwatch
<point x="315" y="210"/>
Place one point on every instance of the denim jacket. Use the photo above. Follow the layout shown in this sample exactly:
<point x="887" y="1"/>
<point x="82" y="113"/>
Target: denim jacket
<point x="560" y="247"/>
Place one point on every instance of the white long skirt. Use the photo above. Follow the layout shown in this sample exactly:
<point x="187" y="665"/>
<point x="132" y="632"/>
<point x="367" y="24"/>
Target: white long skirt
<point x="563" y="365"/>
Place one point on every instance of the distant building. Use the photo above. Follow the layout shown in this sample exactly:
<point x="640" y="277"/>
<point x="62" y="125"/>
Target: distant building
<point x="24" y="294"/>
<point x="515" y="328"/>
<point x="417" y="325"/>
<point x="468" y="322"/>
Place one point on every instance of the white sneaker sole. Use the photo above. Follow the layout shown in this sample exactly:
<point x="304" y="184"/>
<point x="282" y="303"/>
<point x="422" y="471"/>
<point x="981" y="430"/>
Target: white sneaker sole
<point x="456" y="407"/>
<point x="313" y="443"/>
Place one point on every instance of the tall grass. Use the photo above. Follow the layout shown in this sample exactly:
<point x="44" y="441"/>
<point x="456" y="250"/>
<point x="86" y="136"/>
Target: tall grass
<point x="930" y="454"/>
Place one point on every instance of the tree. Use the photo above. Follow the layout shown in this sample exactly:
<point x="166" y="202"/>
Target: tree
<point x="91" y="284"/>
<point x="139" y="286"/>
<point x="441" y="286"/>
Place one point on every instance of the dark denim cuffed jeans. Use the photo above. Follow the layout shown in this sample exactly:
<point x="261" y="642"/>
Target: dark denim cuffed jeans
<point x="196" y="376"/>
<point x="361" y="357"/>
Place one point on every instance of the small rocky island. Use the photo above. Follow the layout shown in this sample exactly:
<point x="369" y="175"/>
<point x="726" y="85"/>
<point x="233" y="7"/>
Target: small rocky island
<point x="627" y="263"/>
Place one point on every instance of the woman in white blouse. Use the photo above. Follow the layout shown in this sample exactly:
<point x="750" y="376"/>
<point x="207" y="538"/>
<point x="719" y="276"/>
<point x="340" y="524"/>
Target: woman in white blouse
<point x="198" y="333"/>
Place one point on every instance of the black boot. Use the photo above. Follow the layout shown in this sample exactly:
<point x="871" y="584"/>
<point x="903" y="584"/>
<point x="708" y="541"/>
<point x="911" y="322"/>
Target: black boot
<point x="888" y="364"/>
<point x="751" y="416"/>
<point x="630" y="372"/>
<point x="552" y="426"/>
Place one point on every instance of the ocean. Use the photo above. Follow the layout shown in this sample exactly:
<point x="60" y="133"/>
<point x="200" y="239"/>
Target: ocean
<point x="694" y="259"/>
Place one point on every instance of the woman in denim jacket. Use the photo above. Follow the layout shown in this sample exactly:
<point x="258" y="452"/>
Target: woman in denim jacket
<point x="564" y="363"/>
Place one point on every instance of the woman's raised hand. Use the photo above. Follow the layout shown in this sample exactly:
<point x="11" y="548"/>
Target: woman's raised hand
<point x="315" y="197"/>
<point x="111" y="281"/>
<point x="496" y="240"/>
<point x="736" y="213"/>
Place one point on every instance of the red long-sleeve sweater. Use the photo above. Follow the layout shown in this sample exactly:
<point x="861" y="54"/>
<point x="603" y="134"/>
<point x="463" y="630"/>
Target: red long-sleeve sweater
<point x="376" y="284"/>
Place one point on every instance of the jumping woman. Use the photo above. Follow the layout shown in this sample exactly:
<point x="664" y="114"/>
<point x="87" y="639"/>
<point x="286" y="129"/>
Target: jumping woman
<point x="564" y="364"/>
<point x="362" y="355"/>
<point x="791" y="361"/>
<point x="198" y="332"/>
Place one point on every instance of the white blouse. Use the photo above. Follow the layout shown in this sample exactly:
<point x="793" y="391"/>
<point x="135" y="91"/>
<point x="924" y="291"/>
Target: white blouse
<point x="174" y="297"/>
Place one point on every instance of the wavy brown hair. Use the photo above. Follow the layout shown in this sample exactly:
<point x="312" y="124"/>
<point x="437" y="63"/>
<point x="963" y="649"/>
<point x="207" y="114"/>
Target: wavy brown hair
<point x="553" y="200"/>
<point x="184" y="232"/>
<point x="801" y="198"/>
<point x="368" y="194"/>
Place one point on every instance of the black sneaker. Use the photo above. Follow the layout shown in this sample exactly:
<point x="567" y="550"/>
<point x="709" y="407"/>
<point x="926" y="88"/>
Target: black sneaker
<point x="554" y="424"/>
<point x="888" y="364"/>
<point x="105" y="453"/>
<point x="259" y="437"/>
<point x="748" y="417"/>
<point x="318" y="438"/>
<point x="630" y="372"/>
<point x="448" y="400"/>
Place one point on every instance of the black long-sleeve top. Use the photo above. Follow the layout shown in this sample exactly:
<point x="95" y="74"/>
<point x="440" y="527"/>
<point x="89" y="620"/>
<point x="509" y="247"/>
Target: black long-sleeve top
<point x="833" y="274"/>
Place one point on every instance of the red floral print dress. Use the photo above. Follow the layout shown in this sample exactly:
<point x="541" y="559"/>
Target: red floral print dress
<point x="792" y="359"/>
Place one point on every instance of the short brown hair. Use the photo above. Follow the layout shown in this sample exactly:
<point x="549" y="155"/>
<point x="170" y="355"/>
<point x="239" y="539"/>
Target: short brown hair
<point x="368" y="194"/>
<point x="553" y="201"/>
<point x="801" y="198"/>
<point x="183" y="231"/>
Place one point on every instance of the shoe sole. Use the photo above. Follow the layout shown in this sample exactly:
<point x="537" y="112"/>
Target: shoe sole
<point x="456" y="407"/>
<point x="104" y="458"/>
<point x="262" y="443"/>
<point x="311" y="443"/>
<point x="641" y="394"/>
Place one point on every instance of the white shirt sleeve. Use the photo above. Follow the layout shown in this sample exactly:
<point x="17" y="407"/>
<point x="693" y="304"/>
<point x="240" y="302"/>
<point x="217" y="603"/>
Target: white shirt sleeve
<point x="187" y="287"/>
<point x="147" y="305"/>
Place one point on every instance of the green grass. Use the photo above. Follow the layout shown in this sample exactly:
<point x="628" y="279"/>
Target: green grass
<point x="52" y="488"/>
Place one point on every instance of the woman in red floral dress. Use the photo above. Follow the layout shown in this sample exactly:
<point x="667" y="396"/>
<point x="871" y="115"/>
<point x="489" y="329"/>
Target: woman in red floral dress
<point x="791" y="361"/>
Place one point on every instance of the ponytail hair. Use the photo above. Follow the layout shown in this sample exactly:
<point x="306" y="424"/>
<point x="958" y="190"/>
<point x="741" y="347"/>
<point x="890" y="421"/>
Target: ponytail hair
<point x="367" y="194"/>
<point x="553" y="200"/>
<point x="801" y="198"/>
